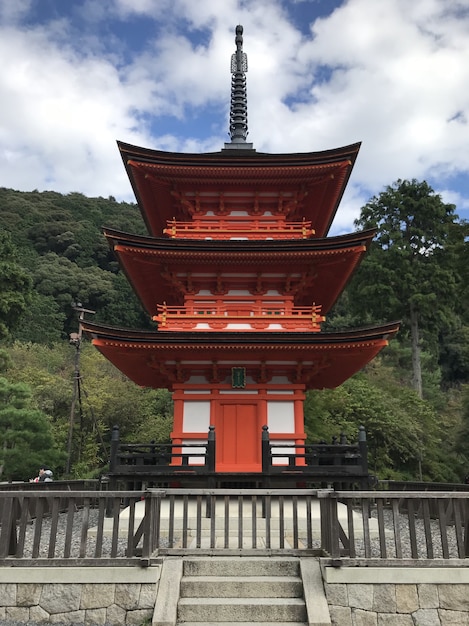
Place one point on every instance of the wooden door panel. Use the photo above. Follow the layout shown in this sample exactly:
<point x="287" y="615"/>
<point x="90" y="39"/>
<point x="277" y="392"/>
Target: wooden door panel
<point x="238" y="438"/>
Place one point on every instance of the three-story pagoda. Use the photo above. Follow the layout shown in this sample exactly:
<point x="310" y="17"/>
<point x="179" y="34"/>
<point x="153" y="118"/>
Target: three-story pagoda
<point x="239" y="273"/>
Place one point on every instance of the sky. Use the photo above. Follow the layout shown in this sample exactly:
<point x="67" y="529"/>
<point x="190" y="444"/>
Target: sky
<point x="78" y="75"/>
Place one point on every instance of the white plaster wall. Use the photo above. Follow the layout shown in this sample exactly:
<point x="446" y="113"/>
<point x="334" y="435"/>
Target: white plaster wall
<point x="281" y="416"/>
<point x="196" y="416"/>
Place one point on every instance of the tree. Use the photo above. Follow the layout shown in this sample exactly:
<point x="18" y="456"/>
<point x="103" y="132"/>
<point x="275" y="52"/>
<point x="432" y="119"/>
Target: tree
<point x="15" y="286"/>
<point x="43" y="322"/>
<point x="26" y="439"/>
<point x="66" y="282"/>
<point x="407" y="273"/>
<point x="404" y="433"/>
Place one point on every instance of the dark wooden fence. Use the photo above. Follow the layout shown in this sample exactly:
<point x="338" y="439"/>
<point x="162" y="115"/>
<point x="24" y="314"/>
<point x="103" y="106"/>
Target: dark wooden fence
<point x="137" y="464"/>
<point x="127" y="527"/>
<point x="340" y="464"/>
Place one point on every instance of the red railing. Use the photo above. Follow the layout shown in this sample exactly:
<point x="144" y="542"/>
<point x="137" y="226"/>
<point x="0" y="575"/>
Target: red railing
<point x="237" y="226"/>
<point x="258" y="318"/>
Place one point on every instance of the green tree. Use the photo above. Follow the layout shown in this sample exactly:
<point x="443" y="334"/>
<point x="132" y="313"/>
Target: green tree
<point x="407" y="273"/>
<point x="43" y="322"/>
<point x="15" y="286"/>
<point x="26" y="438"/>
<point x="404" y="433"/>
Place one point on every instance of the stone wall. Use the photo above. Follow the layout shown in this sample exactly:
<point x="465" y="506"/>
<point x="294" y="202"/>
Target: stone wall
<point x="356" y="596"/>
<point x="78" y="595"/>
<point x="397" y="596"/>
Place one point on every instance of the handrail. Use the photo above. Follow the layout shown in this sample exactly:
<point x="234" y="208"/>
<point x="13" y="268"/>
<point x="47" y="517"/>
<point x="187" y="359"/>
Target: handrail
<point x="340" y="461"/>
<point x="300" y="311"/>
<point x="238" y="225"/>
<point x="347" y="527"/>
<point x="127" y="459"/>
<point x="286" y="318"/>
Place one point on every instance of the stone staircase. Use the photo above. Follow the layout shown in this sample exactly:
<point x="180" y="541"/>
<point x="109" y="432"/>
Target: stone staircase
<point x="229" y="590"/>
<point x="241" y="590"/>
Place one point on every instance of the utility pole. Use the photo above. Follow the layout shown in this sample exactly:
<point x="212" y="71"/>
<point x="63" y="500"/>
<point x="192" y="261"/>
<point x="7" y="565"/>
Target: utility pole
<point x="75" y="340"/>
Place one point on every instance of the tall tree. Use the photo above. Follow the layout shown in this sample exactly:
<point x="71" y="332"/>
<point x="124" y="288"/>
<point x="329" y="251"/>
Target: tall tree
<point x="26" y="439"/>
<point x="406" y="274"/>
<point x="15" y="286"/>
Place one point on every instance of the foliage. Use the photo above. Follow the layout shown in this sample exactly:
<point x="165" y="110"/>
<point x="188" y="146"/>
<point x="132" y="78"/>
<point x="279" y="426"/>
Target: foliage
<point x="107" y="397"/>
<point x="54" y="242"/>
<point x="15" y="286"/>
<point x="404" y="433"/>
<point x="26" y="439"/>
<point x="408" y="273"/>
<point x="62" y="250"/>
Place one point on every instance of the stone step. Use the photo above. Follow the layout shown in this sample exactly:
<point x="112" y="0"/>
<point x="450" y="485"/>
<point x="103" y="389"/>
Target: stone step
<point x="241" y="587"/>
<point x="243" y="609"/>
<point x="233" y="542"/>
<point x="205" y="523"/>
<point x="241" y="566"/>
<point x="244" y="623"/>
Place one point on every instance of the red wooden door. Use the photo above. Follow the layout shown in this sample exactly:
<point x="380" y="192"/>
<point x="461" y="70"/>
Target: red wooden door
<point x="238" y="438"/>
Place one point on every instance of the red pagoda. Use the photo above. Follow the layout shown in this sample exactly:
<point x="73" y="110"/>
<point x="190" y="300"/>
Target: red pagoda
<point x="239" y="274"/>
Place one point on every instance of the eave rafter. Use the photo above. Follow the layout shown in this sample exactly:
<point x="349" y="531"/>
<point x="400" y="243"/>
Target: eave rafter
<point x="292" y="268"/>
<point x="282" y="191"/>
<point x="315" y="361"/>
<point x="178" y="186"/>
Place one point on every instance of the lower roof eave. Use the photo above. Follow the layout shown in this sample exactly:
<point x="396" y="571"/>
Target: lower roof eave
<point x="226" y="338"/>
<point x="315" y="360"/>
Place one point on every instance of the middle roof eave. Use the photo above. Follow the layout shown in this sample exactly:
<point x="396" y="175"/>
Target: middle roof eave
<point x="324" y="266"/>
<point x="221" y="247"/>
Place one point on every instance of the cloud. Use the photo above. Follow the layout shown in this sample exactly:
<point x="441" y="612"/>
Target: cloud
<point x="391" y="74"/>
<point x="13" y="12"/>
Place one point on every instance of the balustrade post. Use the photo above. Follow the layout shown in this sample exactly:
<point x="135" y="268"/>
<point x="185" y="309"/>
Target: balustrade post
<point x="266" y="451"/>
<point x="114" y="448"/>
<point x="211" y="450"/>
<point x="363" y="449"/>
<point x="329" y="522"/>
<point x="465" y="507"/>
<point x="112" y="482"/>
<point x="151" y="524"/>
<point x="14" y="514"/>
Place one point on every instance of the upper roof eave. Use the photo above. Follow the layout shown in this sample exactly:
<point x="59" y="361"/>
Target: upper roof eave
<point x="233" y="158"/>
<point x="243" y="167"/>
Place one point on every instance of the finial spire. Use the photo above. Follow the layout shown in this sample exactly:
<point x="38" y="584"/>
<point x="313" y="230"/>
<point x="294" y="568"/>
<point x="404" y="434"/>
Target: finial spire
<point x="239" y="104"/>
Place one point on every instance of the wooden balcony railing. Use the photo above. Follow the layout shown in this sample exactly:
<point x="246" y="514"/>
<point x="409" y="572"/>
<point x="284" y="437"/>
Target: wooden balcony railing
<point x="258" y="318"/>
<point x="340" y="463"/>
<point x="239" y="227"/>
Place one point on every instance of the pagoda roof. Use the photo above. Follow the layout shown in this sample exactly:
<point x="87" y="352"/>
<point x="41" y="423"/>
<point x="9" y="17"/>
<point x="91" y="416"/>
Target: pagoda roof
<point x="163" y="270"/>
<point x="318" y="361"/>
<point x="171" y="185"/>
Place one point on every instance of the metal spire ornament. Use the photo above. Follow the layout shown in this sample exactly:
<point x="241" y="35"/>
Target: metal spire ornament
<point x="239" y="102"/>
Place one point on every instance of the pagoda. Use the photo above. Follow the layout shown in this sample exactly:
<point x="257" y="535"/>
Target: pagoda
<point x="238" y="273"/>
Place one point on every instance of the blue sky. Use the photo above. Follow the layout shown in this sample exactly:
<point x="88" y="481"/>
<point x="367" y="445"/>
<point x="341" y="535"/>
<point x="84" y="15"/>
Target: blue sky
<point x="77" y="75"/>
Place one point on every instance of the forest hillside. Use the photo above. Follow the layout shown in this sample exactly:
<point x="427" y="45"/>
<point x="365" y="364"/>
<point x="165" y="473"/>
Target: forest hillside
<point x="413" y="399"/>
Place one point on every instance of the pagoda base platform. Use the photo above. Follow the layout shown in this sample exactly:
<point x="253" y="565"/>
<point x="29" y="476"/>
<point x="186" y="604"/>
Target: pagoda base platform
<point x="302" y="478"/>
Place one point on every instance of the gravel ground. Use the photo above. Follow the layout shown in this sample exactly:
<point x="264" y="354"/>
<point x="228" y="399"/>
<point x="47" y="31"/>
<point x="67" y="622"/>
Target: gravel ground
<point x="76" y="537"/>
<point x="405" y="538"/>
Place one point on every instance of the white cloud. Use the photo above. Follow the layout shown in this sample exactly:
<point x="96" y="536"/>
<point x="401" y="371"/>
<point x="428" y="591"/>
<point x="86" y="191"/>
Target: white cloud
<point x="13" y="12"/>
<point x="391" y="74"/>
